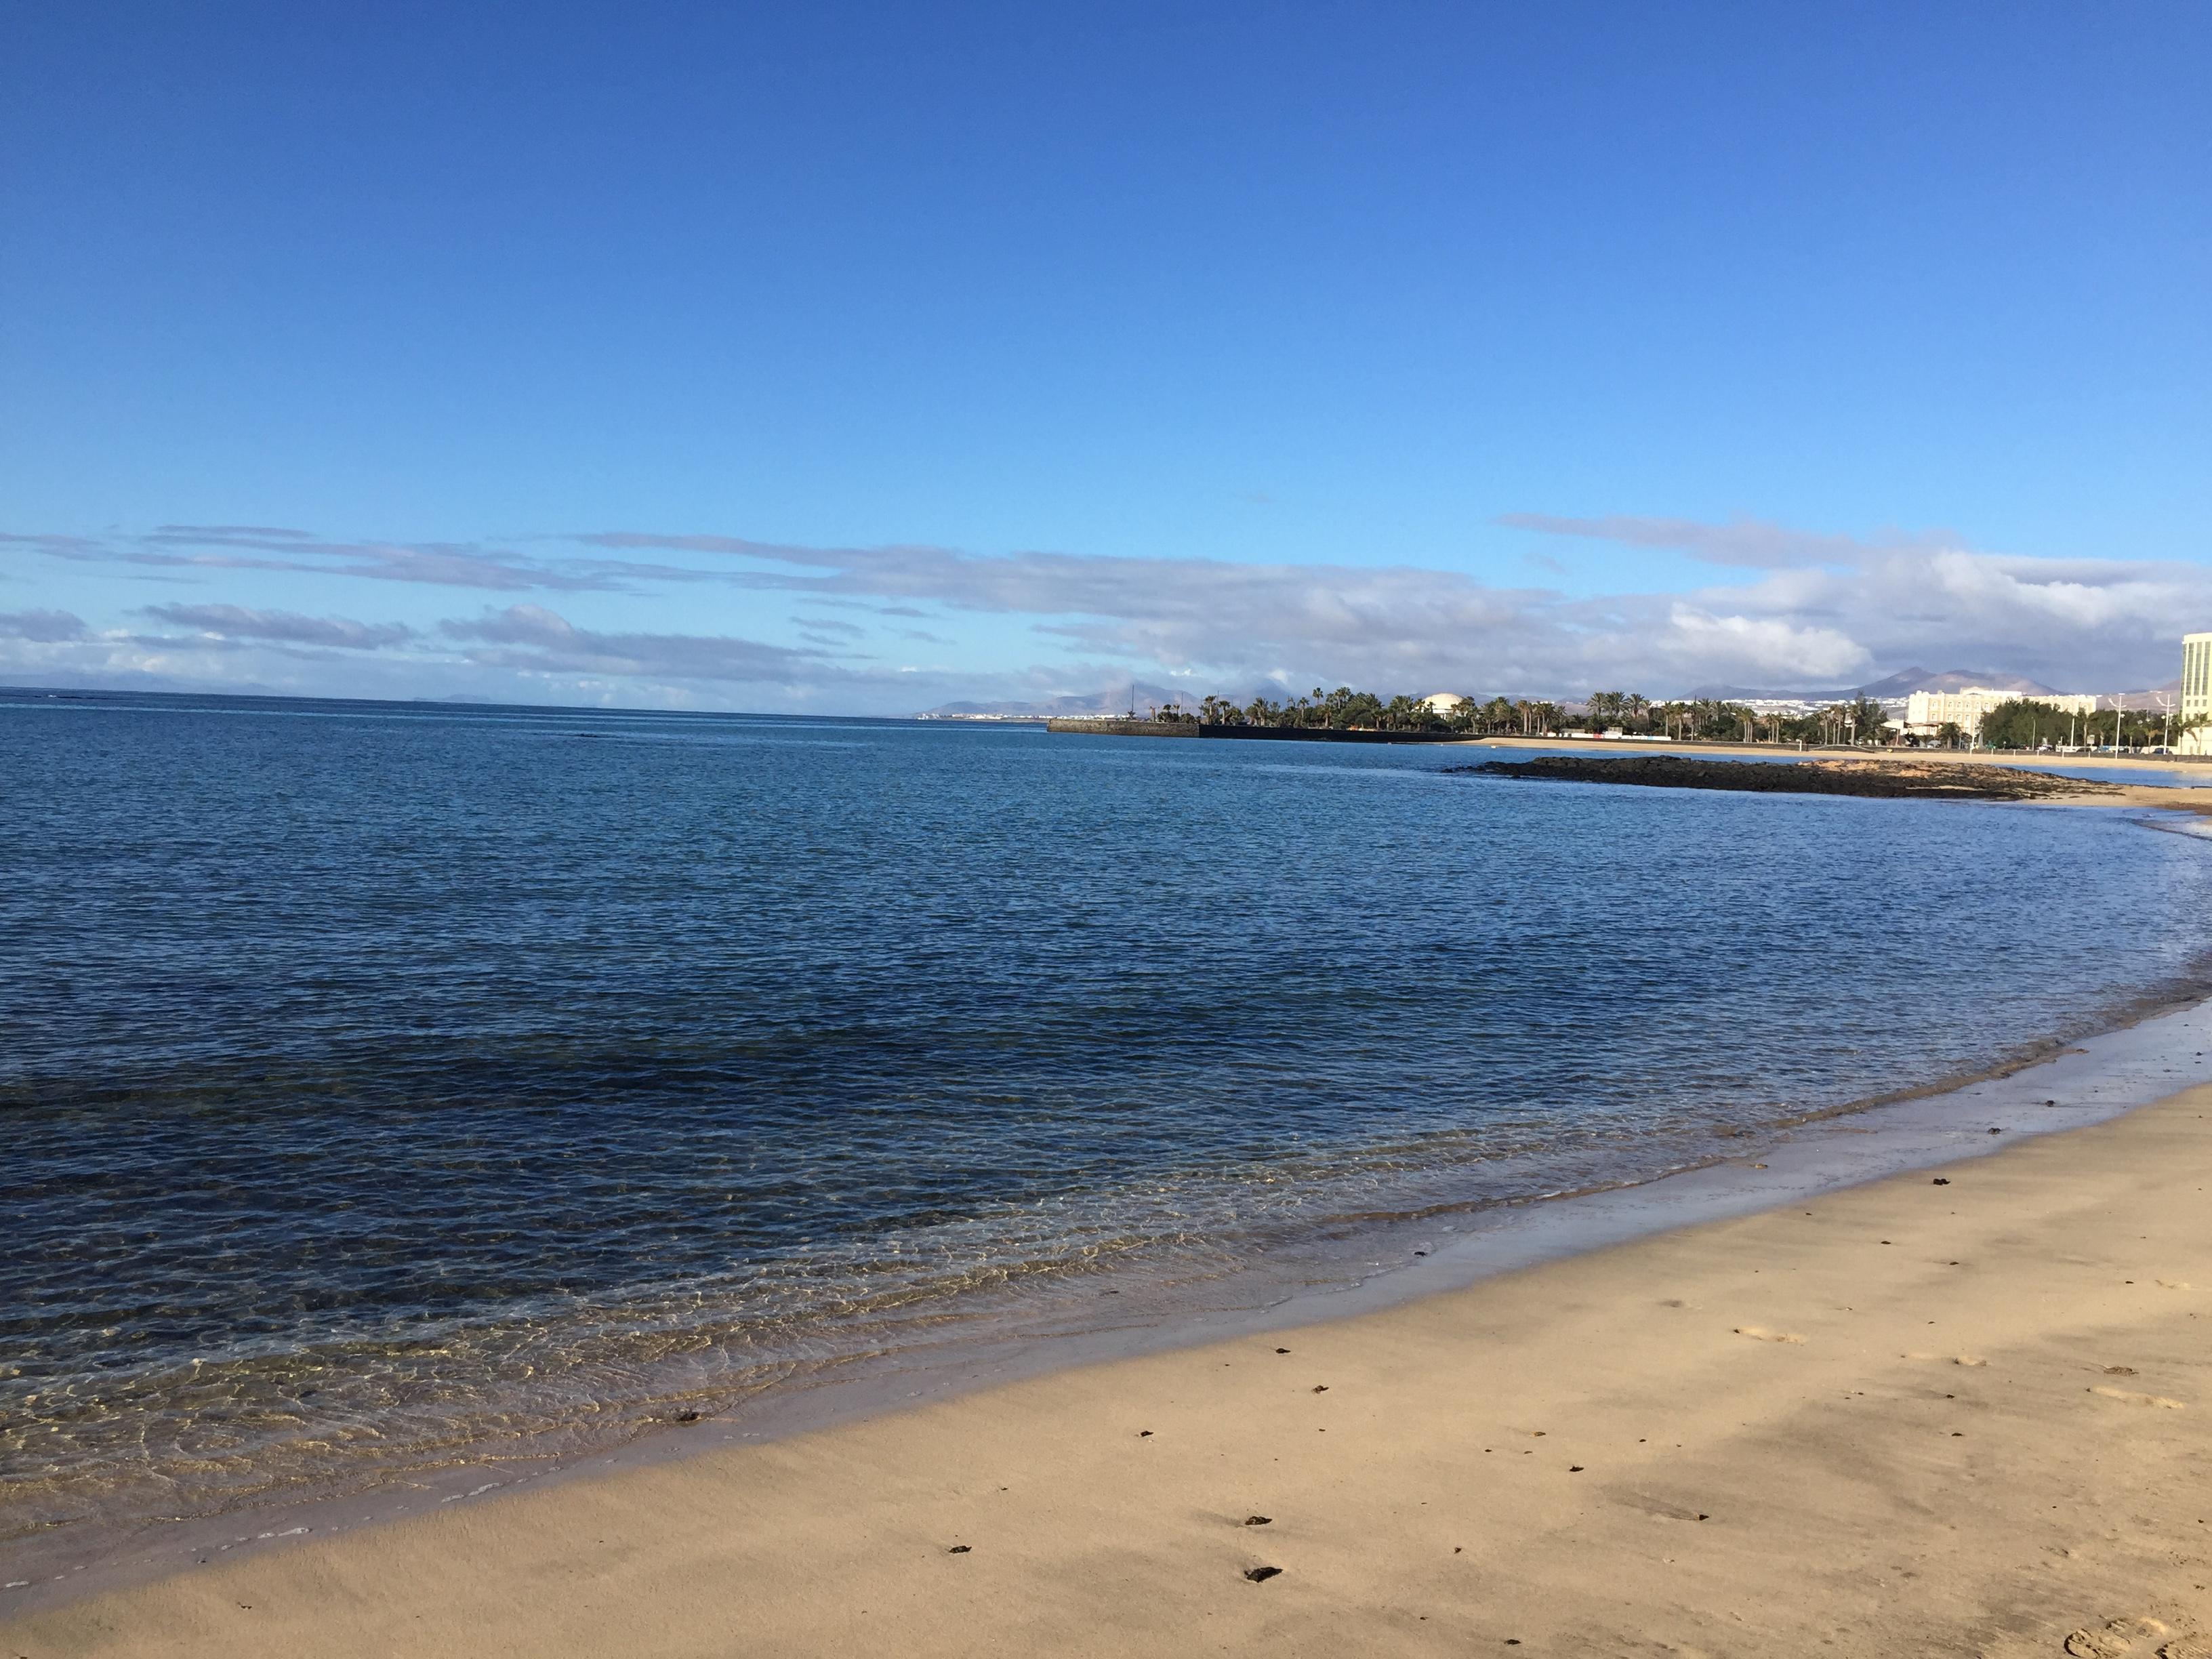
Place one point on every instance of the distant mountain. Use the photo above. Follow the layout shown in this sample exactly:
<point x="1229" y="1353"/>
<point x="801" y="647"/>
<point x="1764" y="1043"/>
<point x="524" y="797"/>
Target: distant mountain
<point x="1114" y="700"/>
<point x="1751" y="693"/>
<point x="1897" y="686"/>
<point x="132" y="683"/>
<point x="1955" y="679"/>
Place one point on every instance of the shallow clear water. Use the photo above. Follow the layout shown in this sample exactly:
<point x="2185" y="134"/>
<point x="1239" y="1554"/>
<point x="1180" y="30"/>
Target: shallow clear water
<point x="384" y="1087"/>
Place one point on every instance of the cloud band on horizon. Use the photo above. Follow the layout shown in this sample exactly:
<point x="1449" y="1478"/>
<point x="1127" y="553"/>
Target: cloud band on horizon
<point x="1819" y="611"/>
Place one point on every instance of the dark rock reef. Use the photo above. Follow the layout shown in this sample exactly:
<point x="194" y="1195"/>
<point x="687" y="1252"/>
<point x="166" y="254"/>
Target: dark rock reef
<point x="1898" y="780"/>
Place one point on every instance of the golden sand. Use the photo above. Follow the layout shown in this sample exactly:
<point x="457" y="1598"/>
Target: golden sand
<point x="1970" y="1415"/>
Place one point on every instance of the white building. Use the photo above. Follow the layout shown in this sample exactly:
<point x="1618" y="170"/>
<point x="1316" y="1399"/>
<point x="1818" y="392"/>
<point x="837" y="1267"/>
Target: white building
<point x="1927" y="712"/>
<point x="1443" y="702"/>
<point x="2195" y="693"/>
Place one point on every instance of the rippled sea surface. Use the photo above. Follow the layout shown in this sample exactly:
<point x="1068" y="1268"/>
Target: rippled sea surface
<point x="383" y="1086"/>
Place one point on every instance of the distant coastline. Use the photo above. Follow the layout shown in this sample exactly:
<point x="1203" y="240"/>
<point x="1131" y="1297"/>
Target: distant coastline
<point x="1151" y="728"/>
<point x="2193" y="767"/>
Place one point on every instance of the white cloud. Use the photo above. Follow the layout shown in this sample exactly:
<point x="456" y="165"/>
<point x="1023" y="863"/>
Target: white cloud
<point x="532" y="640"/>
<point x="239" y="621"/>
<point x="1745" y="543"/>
<point x="1826" y="611"/>
<point x="41" y="627"/>
<point x="219" y="548"/>
<point x="1811" y="610"/>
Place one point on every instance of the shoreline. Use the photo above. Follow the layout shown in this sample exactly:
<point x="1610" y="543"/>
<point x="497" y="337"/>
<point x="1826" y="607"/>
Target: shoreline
<point x="2191" y="797"/>
<point x="1961" y="1417"/>
<point x="1340" y="1263"/>
<point x="2195" y="769"/>
<point x="1813" y="776"/>
<point x="2109" y="1074"/>
<point x="1336" y="1240"/>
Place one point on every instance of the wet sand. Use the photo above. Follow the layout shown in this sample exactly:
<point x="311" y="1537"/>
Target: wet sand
<point x="1961" y="1410"/>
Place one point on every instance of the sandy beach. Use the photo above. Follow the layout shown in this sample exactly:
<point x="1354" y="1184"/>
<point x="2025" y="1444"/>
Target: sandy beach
<point x="1952" y="1412"/>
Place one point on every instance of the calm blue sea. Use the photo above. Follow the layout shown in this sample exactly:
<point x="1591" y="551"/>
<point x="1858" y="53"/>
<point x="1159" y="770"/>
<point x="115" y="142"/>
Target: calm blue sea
<point x="379" y="1082"/>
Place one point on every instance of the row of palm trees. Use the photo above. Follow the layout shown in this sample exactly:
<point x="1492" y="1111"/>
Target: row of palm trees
<point x="1705" y="719"/>
<point x="1345" y="710"/>
<point x="1717" y="719"/>
<point x="2026" y="723"/>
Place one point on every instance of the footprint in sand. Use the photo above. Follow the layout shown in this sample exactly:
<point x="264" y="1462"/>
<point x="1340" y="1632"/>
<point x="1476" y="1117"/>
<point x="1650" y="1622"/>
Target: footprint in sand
<point x="2187" y="1647"/>
<point x="2132" y="1398"/>
<point x="2110" y="1641"/>
<point x="1760" y="1333"/>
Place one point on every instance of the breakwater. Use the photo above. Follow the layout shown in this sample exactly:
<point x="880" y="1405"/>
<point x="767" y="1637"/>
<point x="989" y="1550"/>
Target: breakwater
<point x="1130" y="728"/>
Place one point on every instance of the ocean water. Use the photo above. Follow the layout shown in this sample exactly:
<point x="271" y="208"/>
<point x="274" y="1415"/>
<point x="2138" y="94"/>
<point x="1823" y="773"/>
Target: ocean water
<point x="385" y="1088"/>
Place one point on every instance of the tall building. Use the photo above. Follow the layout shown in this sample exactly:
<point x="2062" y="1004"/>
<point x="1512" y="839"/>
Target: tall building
<point x="1927" y="712"/>
<point x="2195" y="693"/>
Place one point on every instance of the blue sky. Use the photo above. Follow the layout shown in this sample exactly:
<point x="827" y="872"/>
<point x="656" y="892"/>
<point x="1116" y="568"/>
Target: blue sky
<point x="860" y="357"/>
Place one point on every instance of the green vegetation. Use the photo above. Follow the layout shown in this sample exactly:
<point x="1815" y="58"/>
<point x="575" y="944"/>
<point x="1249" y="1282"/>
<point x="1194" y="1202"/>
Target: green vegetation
<point x="1708" y="720"/>
<point x="2026" y="724"/>
<point x="1704" y="719"/>
<point x="2021" y="724"/>
<point x="1345" y="710"/>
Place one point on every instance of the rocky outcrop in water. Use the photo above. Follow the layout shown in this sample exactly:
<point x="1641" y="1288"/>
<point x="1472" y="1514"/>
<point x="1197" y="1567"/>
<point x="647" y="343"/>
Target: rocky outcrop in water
<point x="1900" y="780"/>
